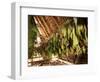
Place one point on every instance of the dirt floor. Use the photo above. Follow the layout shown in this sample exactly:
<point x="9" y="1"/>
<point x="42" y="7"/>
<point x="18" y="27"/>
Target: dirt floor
<point x="54" y="61"/>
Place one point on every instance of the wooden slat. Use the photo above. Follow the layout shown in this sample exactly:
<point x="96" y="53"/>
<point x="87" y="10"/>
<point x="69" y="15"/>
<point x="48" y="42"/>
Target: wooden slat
<point x="45" y="25"/>
<point x="41" y="24"/>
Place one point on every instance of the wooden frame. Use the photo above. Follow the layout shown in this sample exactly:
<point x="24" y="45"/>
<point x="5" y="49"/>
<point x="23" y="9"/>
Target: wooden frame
<point x="19" y="70"/>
